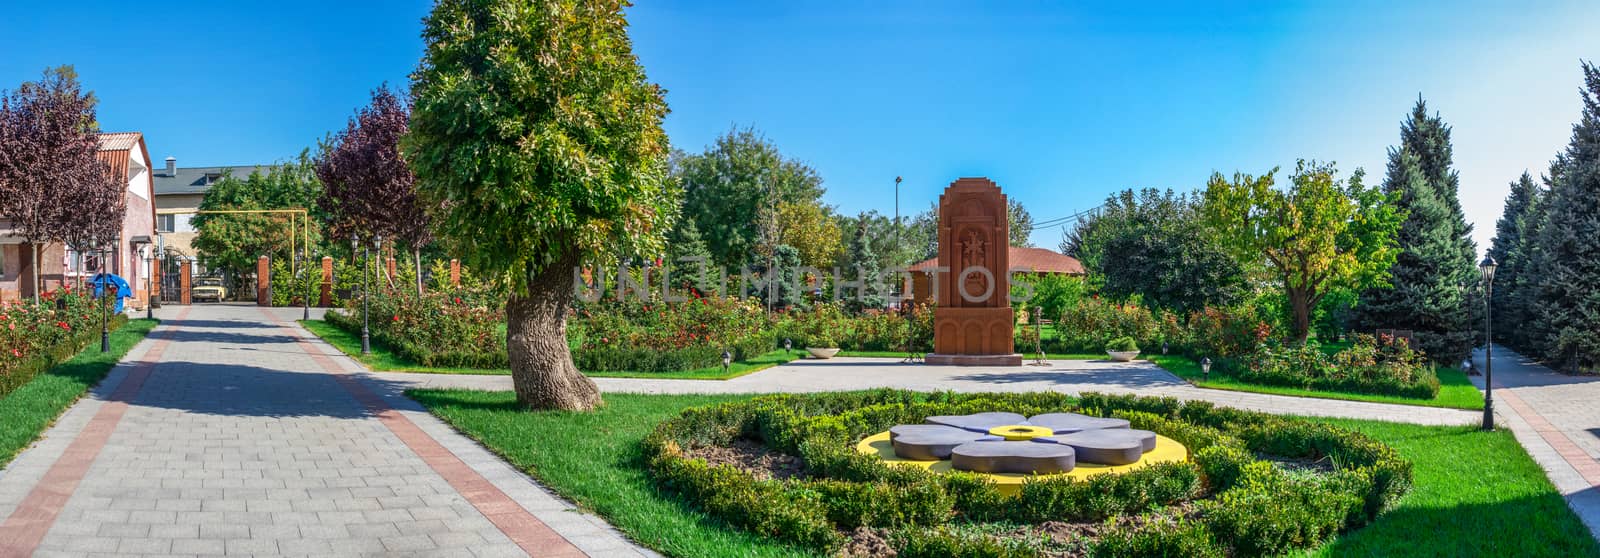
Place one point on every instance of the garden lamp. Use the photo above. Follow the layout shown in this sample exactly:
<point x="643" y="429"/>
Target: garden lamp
<point x="1205" y="369"/>
<point x="1487" y="267"/>
<point x="788" y="346"/>
<point x="105" y="292"/>
<point x="727" y="359"/>
<point x="1163" y="348"/>
<point x="149" y="294"/>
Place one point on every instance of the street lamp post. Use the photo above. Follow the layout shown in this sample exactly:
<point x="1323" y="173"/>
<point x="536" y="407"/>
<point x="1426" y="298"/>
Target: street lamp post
<point x="357" y="248"/>
<point x="1487" y="267"/>
<point x="105" y="293"/>
<point x="897" y="219"/>
<point x="1205" y="369"/>
<point x="149" y="293"/>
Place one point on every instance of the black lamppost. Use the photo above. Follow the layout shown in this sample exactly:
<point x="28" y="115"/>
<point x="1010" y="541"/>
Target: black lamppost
<point x="105" y="293"/>
<point x="149" y="294"/>
<point x="1205" y="369"/>
<point x="356" y="247"/>
<point x="306" y="315"/>
<point x="897" y="219"/>
<point x="1487" y="267"/>
<point x="727" y="359"/>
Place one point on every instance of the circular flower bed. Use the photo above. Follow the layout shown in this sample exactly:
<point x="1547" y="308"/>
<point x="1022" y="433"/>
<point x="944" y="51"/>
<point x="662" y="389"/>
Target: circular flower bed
<point x="1252" y="484"/>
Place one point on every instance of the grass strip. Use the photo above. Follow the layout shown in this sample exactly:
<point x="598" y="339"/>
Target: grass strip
<point x="34" y="406"/>
<point x="1455" y="390"/>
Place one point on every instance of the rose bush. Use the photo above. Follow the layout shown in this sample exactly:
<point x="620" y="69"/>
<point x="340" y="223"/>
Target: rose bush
<point x="34" y="337"/>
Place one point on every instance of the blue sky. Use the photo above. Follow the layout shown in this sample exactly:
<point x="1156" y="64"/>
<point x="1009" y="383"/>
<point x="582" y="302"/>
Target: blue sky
<point x="1060" y="103"/>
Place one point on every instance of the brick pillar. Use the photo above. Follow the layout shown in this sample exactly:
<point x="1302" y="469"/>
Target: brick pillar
<point x="185" y="280"/>
<point x="263" y="281"/>
<point x="327" y="282"/>
<point x="389" y="265"/>
<point x="455" y="272"/>
<point x="155" y="283"/>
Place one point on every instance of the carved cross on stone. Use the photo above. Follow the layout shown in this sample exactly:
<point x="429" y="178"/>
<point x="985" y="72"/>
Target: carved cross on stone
<point x="972" y="247"/>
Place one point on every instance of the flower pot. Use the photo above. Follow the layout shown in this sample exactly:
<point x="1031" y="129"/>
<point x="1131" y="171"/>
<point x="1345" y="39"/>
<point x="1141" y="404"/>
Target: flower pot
<point x="822" y="353"/>
<point x="1123" y="356"/>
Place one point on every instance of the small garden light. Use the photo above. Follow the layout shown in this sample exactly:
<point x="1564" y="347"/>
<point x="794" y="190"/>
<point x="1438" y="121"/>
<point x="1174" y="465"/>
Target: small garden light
<point x="1163" y="348"/>
<point x="727" y="359"/>
<point x="1205" y="369"/>
<point x="788" y="346"/>
<point x="1487" y="267"/>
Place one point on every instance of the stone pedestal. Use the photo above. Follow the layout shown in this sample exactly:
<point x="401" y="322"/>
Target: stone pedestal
<point x="972" y="324"/>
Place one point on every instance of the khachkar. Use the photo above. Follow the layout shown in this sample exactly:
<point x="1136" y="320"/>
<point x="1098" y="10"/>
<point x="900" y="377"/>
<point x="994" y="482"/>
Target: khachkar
<point x="972" y="322"/>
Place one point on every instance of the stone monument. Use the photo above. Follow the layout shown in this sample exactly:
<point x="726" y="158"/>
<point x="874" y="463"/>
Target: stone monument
<point x="972" y="323"/>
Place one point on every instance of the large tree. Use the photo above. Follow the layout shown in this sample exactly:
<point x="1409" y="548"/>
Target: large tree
<point x="1021" y="223"/>
<point x="735" y="185"/>
<point x="1153" y="244"/>
<point x="1514" y="286"/>
<point x="232" y="241"/>
<point x="537" y="137"/>
<point x="1568" y="265"/>
<point x="810" y="228"/>
<point x="1319" y="234"/>
<point x="1429" y="284"/>
<point x="53" y="186"/>
<point x="368" y="189"/>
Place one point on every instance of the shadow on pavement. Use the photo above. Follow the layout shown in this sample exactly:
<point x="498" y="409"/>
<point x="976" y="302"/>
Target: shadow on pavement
<point x="248" y="390"/>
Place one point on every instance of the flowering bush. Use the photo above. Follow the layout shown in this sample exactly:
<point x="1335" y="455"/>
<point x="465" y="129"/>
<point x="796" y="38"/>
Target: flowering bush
<point x="460" y="328"/>
<point x="667" y="336"/>
<point x="826" y="325"/>
<point x="1385" y="366"/>
<point x="1093" y="322"/>
<point x="34" y="337"/>
<point x="1213" y="332"/>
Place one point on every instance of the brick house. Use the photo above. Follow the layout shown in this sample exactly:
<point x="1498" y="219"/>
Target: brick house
<point x="125" y="153"/>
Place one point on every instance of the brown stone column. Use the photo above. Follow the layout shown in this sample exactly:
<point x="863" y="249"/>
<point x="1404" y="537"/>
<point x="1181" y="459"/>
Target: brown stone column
<point x="389" y="265"/>
<point x="455" y="272"/>
<point x="263" y="281"/>
<point x="327" y="282"/>
<point x="185" y="280"/>
<point x="155" y="283"/>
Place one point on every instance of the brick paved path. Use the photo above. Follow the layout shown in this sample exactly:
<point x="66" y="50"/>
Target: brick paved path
<point x="1557" y="418"/>
<point x="227" y="432"/>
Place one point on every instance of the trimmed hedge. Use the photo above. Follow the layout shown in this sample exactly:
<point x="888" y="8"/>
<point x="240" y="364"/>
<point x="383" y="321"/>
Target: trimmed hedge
<point x="631" y="359"/>
<point x="1224" y="501"/>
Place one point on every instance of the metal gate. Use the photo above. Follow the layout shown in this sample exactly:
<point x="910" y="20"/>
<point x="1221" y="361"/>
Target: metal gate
<point x="171" y="279"/>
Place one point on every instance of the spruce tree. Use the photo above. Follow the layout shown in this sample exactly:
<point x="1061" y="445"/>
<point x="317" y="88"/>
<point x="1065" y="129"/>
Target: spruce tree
<point x="863" y="260"/>
<point x="1435" y="269"/>
<point x="1514" y="282"/>
<point x="1569" y="239"/>
<point x="685" y="243"/>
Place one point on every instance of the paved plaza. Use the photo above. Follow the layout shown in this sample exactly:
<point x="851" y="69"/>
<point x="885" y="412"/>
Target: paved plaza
<point x="232" y="431"/>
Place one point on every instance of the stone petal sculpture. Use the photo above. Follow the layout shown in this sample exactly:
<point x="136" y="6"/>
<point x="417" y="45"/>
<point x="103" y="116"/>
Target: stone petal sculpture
<point x="1106" y="446"/>
<point x="1013" y="457"/>
<point x="930" y="442"/>
<point x="979" y="422"/>
<point x="1067" y="423"/>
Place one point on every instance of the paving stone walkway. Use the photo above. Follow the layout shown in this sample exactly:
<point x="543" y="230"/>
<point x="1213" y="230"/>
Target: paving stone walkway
<point x="231" y="431"/>
<point x="1557" y="418"/>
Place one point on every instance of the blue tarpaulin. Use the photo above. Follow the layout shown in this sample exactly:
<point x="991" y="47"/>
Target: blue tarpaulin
<point x="123" y="290"/>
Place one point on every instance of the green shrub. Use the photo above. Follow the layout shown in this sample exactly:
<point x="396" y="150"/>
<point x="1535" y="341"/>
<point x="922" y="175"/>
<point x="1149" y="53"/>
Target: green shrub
<point x="36" y="337"/>
<point x="1387" y="367"/>
<point x="1255" y="508"/>
<point x="1122" y="344"/>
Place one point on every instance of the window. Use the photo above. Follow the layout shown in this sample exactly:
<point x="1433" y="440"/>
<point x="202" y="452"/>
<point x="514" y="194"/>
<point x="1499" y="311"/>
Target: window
<point x="166" y="223"/>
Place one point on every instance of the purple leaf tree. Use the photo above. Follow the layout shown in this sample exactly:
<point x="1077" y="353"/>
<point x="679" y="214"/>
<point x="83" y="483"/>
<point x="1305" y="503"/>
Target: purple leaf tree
<point x="53" y="185"/>
<point x="368" y="189"/>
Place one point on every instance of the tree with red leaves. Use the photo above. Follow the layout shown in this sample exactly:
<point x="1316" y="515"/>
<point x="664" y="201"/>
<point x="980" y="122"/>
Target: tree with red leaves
<point x="368" y="189"/>
<point x="53" y="186"/>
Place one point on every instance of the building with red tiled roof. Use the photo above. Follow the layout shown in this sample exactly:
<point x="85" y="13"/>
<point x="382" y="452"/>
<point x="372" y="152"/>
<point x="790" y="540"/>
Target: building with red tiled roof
<point x="128" y="160"/>
<point x="1038" y="261"/>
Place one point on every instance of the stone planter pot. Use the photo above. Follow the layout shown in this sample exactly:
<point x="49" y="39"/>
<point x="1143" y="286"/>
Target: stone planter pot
<point x="822" y="353"/>
<point x="1123" y="356"/>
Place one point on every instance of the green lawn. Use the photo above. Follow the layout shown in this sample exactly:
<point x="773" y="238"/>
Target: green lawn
<point x="34" y="406"/>
<point x="1476" y="493"/>
<point x="594" y="459"/>
<point x="383" y="359"/>
<point x="1455" y="390"/>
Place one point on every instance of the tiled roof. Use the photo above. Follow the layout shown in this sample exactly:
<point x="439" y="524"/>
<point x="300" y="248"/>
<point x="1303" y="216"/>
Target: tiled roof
<point x="192" y="180"/>
<point x="1039" y="260"/>
<point x="118" y="141"/>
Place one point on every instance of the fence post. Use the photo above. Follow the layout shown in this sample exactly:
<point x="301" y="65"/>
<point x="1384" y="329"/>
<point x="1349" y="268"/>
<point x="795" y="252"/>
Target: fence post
<point x="185" y="281"/>
<point x="263" y="281"/>
<point x="327" y="282"/>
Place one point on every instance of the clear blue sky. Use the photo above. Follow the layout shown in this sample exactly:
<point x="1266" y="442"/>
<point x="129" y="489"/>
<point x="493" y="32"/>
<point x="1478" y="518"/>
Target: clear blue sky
<point x="1059" y="102"/>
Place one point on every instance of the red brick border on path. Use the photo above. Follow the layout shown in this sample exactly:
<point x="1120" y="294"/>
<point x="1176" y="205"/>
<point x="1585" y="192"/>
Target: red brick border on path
<point x="1580" y="460"/>
<point x="22" y="532"/>
<point x="531" y="534"/>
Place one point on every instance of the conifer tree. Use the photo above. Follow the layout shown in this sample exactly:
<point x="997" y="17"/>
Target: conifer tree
<point x="864" y="267"/>
<point x="1431" y="278"/>
<point x="1569" y="245"/>
<point x="1513" y="295"/>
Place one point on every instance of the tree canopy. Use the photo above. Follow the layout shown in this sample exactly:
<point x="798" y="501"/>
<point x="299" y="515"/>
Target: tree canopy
<point x="1319" y="233"/>
<point x="1153" y="244"/>
<point x="233" y="241"/>
<point x="537" y="137"/>
<point x="1568" y="258"/>
<point x="730" y="186"/>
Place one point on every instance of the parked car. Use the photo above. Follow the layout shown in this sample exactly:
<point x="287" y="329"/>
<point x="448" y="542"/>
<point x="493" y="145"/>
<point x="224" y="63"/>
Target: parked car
<point x="208" y="288"/>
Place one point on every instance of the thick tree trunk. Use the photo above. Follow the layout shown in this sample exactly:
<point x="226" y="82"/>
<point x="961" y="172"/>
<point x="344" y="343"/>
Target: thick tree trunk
<point x="1300" y="309"/>
<point x="542" y="372"/>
